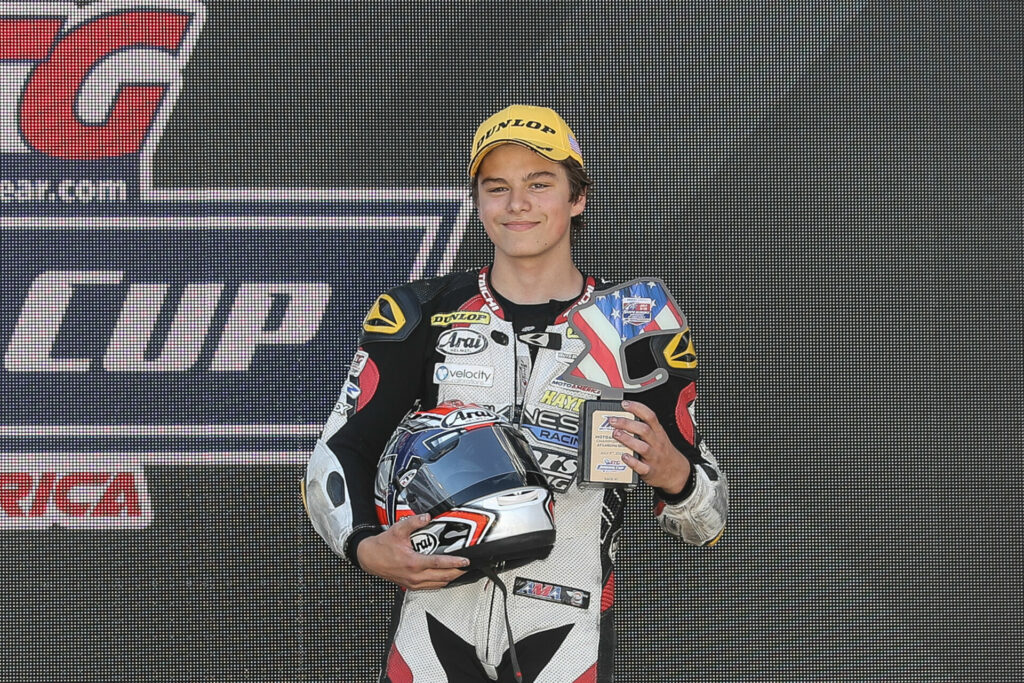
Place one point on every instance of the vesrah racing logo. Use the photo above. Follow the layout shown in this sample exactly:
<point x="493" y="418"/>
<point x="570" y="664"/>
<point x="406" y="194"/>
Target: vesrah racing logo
<point x="149" y="327"/>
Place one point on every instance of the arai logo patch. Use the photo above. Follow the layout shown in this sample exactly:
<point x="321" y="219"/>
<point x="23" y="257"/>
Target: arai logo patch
<point x="461" y="342"/>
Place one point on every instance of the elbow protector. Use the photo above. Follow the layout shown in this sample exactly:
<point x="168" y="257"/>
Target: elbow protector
<point x="700" y="518"/>
<point x="327" y="499"/>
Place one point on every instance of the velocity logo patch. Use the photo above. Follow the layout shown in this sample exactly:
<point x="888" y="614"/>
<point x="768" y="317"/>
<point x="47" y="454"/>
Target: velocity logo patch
<point x="468" y="375"/>
<point x="385" y="317"/>
<point x="679" y="353"/>
<point x="551" y="592"/>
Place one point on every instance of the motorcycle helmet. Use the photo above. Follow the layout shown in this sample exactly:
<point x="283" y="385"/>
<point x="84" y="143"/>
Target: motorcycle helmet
<point x="475" y="475"/>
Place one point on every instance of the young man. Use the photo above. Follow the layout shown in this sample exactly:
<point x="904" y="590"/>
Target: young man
<point x="530" y="188"/>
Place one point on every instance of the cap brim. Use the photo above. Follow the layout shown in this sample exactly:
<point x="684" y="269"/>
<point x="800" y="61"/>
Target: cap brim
<point x="546" y="152"/>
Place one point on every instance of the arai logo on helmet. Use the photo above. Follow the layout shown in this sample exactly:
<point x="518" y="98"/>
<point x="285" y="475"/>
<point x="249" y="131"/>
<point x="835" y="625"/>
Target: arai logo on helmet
<point x="424" y="543"/>
<point x="461" y="342"/>
<point x="465" y="417"/>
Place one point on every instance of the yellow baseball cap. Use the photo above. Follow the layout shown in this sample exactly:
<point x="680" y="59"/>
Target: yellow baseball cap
<point x="539" y="128"/>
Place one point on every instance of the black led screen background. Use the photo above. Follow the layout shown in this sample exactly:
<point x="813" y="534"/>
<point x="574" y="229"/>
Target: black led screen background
<point x="831" y="189"/>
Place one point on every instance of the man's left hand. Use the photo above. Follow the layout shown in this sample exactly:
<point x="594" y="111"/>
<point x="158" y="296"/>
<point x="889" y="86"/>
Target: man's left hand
<point x="660" y="464"/>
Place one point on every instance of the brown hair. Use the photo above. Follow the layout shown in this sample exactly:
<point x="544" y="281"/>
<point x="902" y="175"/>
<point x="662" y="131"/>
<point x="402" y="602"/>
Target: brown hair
<point x="579" y="185"/>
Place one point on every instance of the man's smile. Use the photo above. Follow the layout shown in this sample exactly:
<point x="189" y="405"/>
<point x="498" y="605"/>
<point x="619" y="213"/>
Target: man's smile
<point x="520" y="226"/>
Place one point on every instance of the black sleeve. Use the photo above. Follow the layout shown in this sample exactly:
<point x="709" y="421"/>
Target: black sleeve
<point x="389" y="385"/>
<point x="671" y="402"/>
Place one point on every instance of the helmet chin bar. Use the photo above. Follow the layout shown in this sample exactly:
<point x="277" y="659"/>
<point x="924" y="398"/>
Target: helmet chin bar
<point x="506" y="530"/>
<point x="510" y="553"/>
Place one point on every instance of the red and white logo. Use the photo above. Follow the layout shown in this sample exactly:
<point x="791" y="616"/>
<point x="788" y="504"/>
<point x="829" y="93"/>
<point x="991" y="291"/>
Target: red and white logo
<point x="92" y="82"/>
<point x="90" y="493"/>
<point x="86" y="89"/>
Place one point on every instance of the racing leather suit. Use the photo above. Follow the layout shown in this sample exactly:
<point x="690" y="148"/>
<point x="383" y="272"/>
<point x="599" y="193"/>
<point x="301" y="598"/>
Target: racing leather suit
<point x="451" y="338"/>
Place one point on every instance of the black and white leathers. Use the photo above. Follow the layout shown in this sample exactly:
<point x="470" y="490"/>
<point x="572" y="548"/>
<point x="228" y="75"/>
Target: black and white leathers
<point x="450" y="339"/>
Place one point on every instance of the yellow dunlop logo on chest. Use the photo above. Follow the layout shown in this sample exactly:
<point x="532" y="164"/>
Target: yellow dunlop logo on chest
<point x="467" y="317"/>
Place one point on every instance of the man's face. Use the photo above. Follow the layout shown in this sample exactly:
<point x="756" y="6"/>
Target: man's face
<point x="524" y="202"/>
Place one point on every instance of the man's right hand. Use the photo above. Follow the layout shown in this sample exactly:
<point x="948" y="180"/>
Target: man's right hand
<point x="390" y="556"/>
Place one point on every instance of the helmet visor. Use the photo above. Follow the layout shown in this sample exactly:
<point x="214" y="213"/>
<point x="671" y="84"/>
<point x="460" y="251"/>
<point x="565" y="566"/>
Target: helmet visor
<point x="464" y="466"/>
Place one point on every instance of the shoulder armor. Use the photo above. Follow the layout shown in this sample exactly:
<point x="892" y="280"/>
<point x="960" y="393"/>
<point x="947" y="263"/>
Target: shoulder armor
<point x="397" y="312"/>
<point x="675" y="353"/>
<point x="393" y="316"/>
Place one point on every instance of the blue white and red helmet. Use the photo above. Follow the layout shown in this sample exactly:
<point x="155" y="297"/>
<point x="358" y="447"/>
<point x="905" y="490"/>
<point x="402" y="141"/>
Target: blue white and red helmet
<point x="474" y="473"/>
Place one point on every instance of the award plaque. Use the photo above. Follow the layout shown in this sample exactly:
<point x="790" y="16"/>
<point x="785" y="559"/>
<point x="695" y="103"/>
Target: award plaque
<point x="600" y="455"/>
<point x="611" y="321"/>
